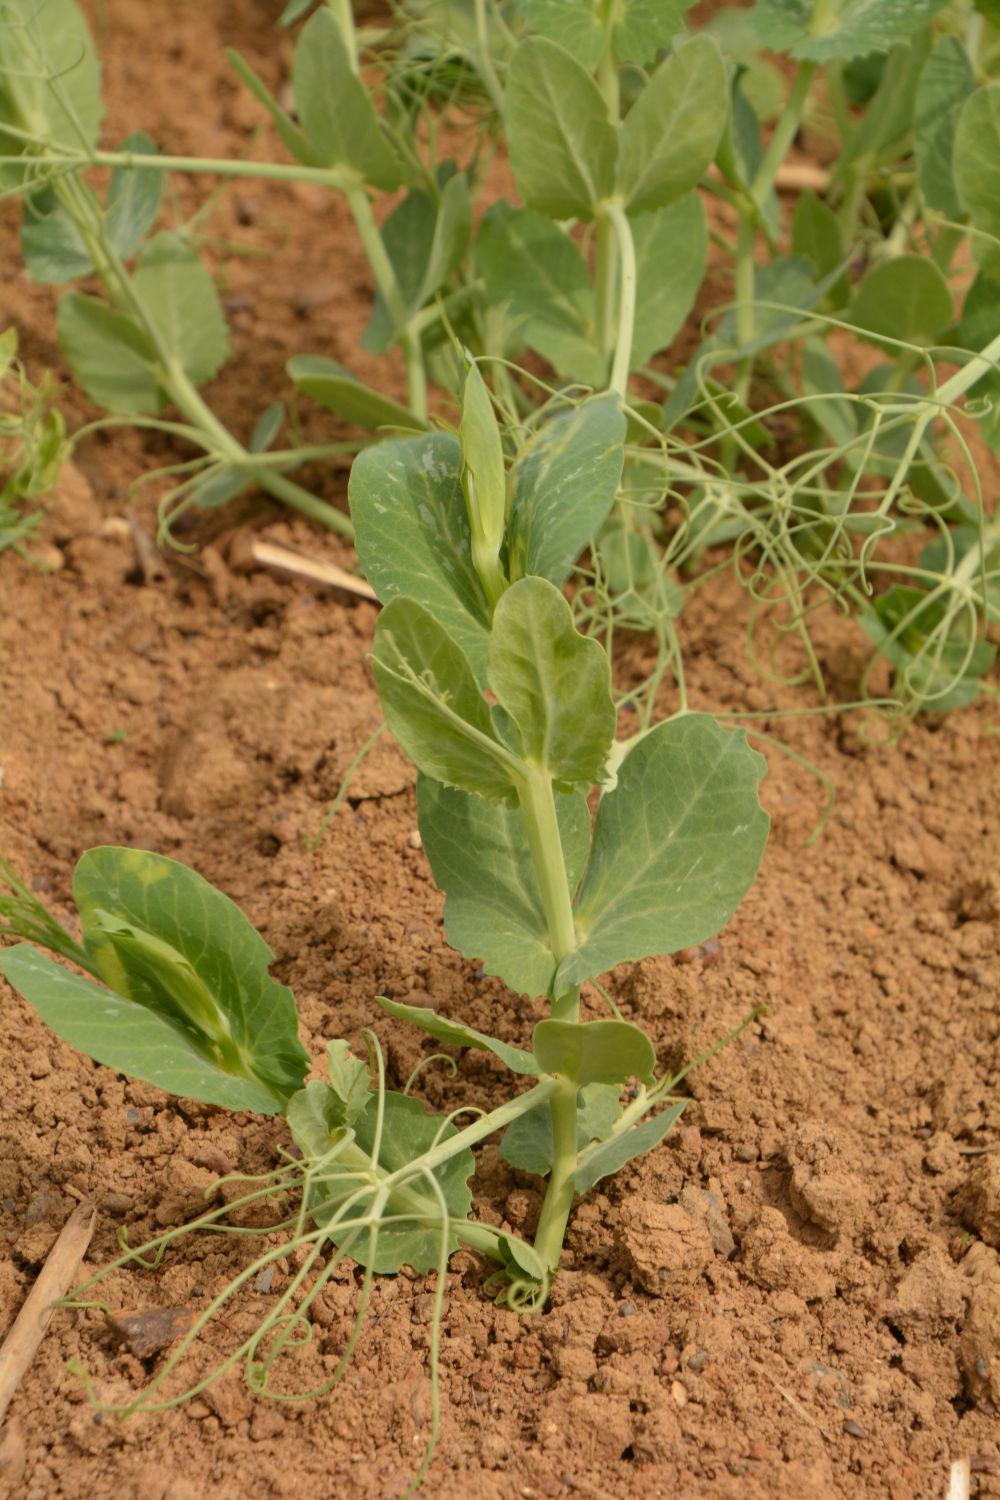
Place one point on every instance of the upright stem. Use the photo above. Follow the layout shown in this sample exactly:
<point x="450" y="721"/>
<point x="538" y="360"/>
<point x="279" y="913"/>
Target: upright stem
<point x="388" y="286"/>
<point x="618" y="219"/>
<point x="606" y="284"/>
<point x="784" y="133"/>
<point x="539" y="808"/>
<point x="559" y="1194"/>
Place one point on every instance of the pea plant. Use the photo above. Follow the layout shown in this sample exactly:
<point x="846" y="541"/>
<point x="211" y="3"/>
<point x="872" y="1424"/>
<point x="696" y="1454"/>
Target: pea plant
<point x="562" y="853"/>
<point x="760" y="450"/>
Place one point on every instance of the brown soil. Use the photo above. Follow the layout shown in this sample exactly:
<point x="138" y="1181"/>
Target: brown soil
<point x="798" y="1295"/>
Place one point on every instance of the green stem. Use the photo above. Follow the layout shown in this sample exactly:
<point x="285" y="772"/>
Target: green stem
<point x="784" y="133"/>
<point x="486" y="69"/>
<point x="539" y="808"/>
<point x="605" y="284"/>
<point x="558" y="1202"/>
<point x="619" y="221"/>
<point x="329" y="177"/>
<point x="392" y="296"/>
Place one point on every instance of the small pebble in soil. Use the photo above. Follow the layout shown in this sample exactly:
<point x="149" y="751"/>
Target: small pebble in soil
<point x="853" y="1430"/>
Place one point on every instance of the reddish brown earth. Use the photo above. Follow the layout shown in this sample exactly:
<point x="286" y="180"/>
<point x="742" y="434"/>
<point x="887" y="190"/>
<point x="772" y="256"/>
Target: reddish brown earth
<point x="798" y="1295"/>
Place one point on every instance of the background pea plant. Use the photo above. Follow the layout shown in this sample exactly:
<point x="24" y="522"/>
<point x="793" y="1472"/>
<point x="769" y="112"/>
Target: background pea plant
<point x="561" y="851"/>
<point x="766" y="449"/>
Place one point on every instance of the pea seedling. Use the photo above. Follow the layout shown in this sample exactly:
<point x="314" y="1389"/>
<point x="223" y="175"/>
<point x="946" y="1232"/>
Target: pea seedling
<point x="506" y="709"/>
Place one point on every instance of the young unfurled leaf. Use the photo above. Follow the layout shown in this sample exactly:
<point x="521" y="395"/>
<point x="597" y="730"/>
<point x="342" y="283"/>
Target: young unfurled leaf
<point x="671" y="133"/>
<point x="412" y="535"/>
<point x="906" y="298"/>
<point x="408" y="1131"/>
<point x="593" y="1051"/>
<point x="315" y="1114"/>
<point x="527" y="1141"/>
<point x="562" y="487"/>
<point x="977" y="172"/>
<point x="433" y="705"/>
<point x="350" y="1078"/>
<point x="676" y="846"/>
<point x="854" y="27"/>
<point x="553" y="682"/>
<point x="454" y="1034"/>
<point x="179" y="296"/>
<point x="484" y="480"/>
<point x="946" y="82"/>
<point x="671" y="252"/>
<point x="481" y="859"/>
<point x="336" y="111"/>
<point x="609" y="1156"/>
<point x="109" y="354"/>
<point x="341" y="392"/>
<point x="562" y="144"/>
<point x="50" y="79"/>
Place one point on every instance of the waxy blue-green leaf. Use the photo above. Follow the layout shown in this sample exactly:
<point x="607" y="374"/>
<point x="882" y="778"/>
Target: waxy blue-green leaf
<point x="553" y="682"/>
<point x="484" y="479"/>
<point x="109" y="354"/>
<point x="527" y="1142"/>
<point x="646" y="27"/>
<point x="408" y="1131"/>
<point x="180" y="299"/>
<point x="906" y="298"/>
<point x="335" y="108"/>
<point x="562" y="145"/>
<point x="339" y="391"/>
<point x="454" y="1034"/>
<point x="817" y="237"/>
<point x="412" y="534"/>
<point x="609" y="1156"/>
<point x="671" y="133"/>
<point x="533" y="270"/>
<point x="127" y="1037"/>
<point x="480" y="857"/>
<point x="562" y="487"/>
<point x="853" y="28"/>
<point x="977" y="172"/>
<point x="671" y="252"/>
<point x="675" y="849"/>
<point x="51" y="242"/>
<point x="50" y="79"/>
<point x="946" y="82"/>
<point x="162" y="935"/>
<point x="593" y="1051"/>
<point x="433" y="705"/>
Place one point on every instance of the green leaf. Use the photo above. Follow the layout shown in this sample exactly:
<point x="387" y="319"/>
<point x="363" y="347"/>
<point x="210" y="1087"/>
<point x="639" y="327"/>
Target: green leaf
<point x="408" y="1132"/>
<point x="350" y="1079"/>
<point x="553" y="682"/>
<point x="333" y="104"/>
<point x="675" y="849"/>
<point x="433" y="705"/>
<point x="647" y="27"/>
<point x="454" y="1034"/>
<point x="533" y="269"/>
<point x="341" y="392"/>
<point x="408" y="237"/>
<point x="671" y="252"/>
<point x="480" y="857"/>
<point x="412" y="534"/>
<point x="50" y="79"/>
<point x="611" y="1155"/>
<point x="160" y="934"/>
<point x="816" y="237"/>
<point x="51" y="244"/>
<point x="180" y="298"/>
<point x="527" y="1141"/>
<point x="937" y="662"/>
<point x="562" y="487"/>
<point x="671" y="133"/>
<point x="109" y="355"/>
<point x="562" y="144"/>
<point x="134" y="197"/>
<point x="906" y="298"/>
<point x="294" y="140"/>
<point x="977" y="172"/>
<point x="574" y="24"/>
<point x="821" y="377"/>
<point x="126" y="1037"/>
<point x="315" y="1115"/>
<point x="946" y="82"/>
<point x="593" y="1051"/>
<point x="977" y="327"/>
<point x="450" y="239"/>
<point x="853" y="28"/>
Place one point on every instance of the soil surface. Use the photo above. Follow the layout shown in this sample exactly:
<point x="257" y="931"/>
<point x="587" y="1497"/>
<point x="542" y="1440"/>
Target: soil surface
<point x="799" y="1294"/>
